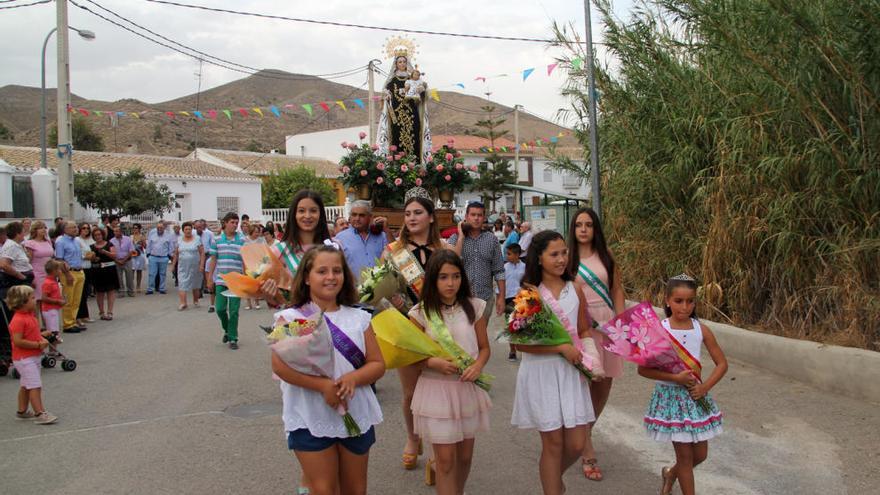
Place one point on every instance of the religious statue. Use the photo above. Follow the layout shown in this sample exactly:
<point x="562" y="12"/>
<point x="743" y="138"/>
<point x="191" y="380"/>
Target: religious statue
<point x="404" y="119"/>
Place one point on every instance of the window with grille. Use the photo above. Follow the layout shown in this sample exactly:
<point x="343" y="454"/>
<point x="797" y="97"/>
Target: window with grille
<point x="571" y="181"/>
<point x="225" y="204"/>
<point x="548" y="175"/>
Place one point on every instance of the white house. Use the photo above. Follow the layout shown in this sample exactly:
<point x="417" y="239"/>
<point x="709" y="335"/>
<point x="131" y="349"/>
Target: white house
<point x="323" y="144"/>
<point x="202" y="189"/>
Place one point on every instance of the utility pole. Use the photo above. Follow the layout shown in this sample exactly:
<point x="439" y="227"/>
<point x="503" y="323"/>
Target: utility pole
<point x="65" y="148"/>
<point x="516" y="149"/>
<point x="371" y="105"/>
<point x="594" y="132"/>
<point x="198" y="123"/>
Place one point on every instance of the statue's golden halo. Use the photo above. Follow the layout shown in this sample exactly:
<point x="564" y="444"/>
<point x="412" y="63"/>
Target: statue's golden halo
<point x="401" y="45"/>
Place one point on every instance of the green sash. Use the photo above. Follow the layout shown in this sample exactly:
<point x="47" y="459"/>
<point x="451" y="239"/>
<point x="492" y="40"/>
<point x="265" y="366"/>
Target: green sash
<point x="596" y="284"/>
<point x="288" y="257"/>
<point x="462" y="359"/>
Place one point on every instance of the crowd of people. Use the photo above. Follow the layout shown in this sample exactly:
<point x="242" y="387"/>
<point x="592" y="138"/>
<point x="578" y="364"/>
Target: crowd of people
<point x="465" y="276"/>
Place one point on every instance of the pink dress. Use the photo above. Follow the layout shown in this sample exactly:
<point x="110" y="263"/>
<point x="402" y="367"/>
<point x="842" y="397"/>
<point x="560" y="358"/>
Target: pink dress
<point x="445" y="409"/>
<point x="42" y="252"/>
<point x="600" y="312"/>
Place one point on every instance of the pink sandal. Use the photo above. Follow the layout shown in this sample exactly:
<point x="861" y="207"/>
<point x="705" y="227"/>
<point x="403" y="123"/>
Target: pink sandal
<point x="591" y="469"/>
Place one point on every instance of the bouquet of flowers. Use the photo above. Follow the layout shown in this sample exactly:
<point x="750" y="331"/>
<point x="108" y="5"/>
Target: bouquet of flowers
<point x="447" y="171"/>
<point x="305" y="344"/>
<point x="532" y="322"/>
<point x="402" y="343"/>
<point x="260" y="264"/>
<point x="638" y="336"/>
<point x="381" y="281"/>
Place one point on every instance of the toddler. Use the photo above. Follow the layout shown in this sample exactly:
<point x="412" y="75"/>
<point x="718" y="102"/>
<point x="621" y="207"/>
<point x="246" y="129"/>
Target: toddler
<point x="52" y="300"/>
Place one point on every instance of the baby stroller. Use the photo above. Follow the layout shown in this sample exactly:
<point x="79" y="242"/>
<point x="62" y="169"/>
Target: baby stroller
<point x="52" y="355"/>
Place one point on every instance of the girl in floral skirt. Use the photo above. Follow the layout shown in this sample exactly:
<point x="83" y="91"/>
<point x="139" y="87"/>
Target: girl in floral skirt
<point x="673" y="414"/>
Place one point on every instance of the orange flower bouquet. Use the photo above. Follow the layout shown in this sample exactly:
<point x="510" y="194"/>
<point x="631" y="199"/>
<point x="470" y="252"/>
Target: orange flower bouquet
<point x="260" y="264"/>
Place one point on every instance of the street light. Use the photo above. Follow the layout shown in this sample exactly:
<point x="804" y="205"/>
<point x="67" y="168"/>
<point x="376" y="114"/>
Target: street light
<point x="84" y="34"/>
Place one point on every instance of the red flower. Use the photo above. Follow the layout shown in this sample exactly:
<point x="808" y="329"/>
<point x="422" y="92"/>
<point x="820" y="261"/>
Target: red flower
<point x="362" y="134"/>
<point x="379" y="180"/>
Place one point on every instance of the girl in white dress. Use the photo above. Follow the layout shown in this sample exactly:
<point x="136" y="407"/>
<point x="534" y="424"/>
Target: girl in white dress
<point x="552" y="396"/>
<point x="332" y="461"/>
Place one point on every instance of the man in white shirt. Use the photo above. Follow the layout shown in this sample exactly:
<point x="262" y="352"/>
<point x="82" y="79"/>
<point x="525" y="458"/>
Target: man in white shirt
<point x="525" y="237"/>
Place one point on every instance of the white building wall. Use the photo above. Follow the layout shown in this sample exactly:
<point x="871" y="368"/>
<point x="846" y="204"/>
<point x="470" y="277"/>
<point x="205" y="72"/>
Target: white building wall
<point x="324" y="144"/>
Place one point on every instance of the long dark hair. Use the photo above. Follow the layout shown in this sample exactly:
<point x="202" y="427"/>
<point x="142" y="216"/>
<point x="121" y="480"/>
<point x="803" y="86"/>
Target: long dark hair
<point x="433" y="229"/>
<point x="299" y="292"/>
<point x="292" y="230"/>
<point x="599" y="245"/>
<point x="431" y="296"/>
<point x="540" y="241"/>
<point x="673" y="284"/>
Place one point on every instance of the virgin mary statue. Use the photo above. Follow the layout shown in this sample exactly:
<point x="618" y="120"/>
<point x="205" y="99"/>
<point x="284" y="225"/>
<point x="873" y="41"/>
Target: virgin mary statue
<point x="403" y="122"/>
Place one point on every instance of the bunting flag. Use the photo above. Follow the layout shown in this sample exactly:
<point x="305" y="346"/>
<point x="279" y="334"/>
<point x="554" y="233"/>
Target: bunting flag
<point x="243" y="112"/>
<point x="84" y="112"/>
<point x="551" y="67"/>
<point x="526" y="73"/>
<point x="120" y="114"/>
<point x="170" y="114"/>
<point x="275" y="111"/>
<point x="257" y="111"/>
<point x="308" y="109"/>
<point x="324" y="106"/>
<point x="480" y="78"/>
<point x="576" y="63"/>
<point x="184" y="113"/>
<point x="342" y="105"/>
<point x="212" y="114"/>
<point x="359" y="103"/>
<point x="460" y="85"/>
<point x="198" y="115"/>
<point x="135" y="115"/>
<point x="435" y="95"/>
<point x="227" y="113"/>
<point x="100" y="113"/>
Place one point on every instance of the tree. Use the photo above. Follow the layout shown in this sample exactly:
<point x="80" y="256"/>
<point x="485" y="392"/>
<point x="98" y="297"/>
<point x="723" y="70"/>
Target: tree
<point x="84" y="138"/>
<point x="255" y="147"/>
<point x="123" y="193"/>
<point x="5" y="133"/>
<point x="494" y="174"/>
<point x="280" y="188"/>
<point x="489" y="127"/>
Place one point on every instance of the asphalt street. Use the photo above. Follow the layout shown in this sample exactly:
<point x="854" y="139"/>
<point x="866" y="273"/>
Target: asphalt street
<point x="158" y="405"/>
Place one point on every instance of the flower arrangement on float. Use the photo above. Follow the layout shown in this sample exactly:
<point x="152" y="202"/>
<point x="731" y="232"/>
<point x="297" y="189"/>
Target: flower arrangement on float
<point x="446" y="172"/>
<point x="381" y="178"/>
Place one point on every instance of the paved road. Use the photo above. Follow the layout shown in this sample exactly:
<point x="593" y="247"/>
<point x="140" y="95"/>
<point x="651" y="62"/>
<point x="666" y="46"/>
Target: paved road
<point x="158" y="406"/>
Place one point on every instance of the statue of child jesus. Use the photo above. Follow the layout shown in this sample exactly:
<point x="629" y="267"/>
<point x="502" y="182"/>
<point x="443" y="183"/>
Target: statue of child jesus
<point x="414" y="86"/>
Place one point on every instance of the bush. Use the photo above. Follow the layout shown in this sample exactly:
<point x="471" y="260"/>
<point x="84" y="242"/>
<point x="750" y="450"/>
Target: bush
<point x="280" y="187"/>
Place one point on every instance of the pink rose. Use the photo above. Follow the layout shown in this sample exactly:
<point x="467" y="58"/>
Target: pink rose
<point x="363" y="173"/>
<point x="352" y="146"/>
<point x="418" y="182"/>
<point x="404" y="168"/>
<point x="473" y="168"/>
<point x="448" y="157"/>
<point x="398" y="181"/>
<point x="398" y="156"/>
<point x="362" y="134"/>
<point x="430" y="157"/>
<point x="458" y="153"/>
<point x="344" y="144"/>
<point x="389" y="157"/>
<point x="392" y="148"/>
<point x="439" y="168"/>
<point x="346" y="170"/>
<point x="379" y="180"/>
<point x="447" y="177"/>
<point x="374" y="147"/>
<point x="380" y="166"/>
<point x="459" y="166"/>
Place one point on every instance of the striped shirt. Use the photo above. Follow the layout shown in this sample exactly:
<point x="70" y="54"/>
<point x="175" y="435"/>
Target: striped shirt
<point x="228" y="254"/>
<point x="482" y="263"/>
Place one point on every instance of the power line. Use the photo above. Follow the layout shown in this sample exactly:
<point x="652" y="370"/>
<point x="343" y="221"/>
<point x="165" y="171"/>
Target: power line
<point x="23" y="4"/>
<point x="216" y="61"/>
<point x="359" y="26"/>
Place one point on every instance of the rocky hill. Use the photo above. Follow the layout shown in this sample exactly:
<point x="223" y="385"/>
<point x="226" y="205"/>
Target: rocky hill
<point x="155" y="133"/>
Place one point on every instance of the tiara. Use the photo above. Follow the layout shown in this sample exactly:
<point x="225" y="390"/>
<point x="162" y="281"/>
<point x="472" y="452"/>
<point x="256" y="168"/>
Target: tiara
<point x="417" y="192"/>
<point x="682" y="277"/>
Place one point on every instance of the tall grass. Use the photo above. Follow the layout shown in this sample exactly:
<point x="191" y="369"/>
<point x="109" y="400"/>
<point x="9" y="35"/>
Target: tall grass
<point x="740" y="142"/>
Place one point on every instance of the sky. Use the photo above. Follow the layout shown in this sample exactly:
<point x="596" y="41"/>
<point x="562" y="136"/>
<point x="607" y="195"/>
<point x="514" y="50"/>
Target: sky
<point x="118" y="64"/>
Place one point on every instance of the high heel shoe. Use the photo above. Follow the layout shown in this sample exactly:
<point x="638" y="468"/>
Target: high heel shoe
<point x="430" y="474"/>
<point x="411" y="461"/>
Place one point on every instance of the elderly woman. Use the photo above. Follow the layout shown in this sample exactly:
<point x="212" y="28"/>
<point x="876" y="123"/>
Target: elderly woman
<point x="15" y="269"/>
<point x="104" y="274"/>
<point x="85" y="245"/>
<point x="189" y="257"/>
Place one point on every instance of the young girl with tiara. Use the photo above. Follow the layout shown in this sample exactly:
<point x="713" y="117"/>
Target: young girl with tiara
<point x="552" y="396"/>
<point x="598" y="276"/>
<point x="332" y="461"/>
<point x="449" y="409"/>
<point x="673" y="414"/>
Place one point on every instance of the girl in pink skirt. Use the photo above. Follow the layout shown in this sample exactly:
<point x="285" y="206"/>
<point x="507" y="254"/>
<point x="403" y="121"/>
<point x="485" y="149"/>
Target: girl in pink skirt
<point x="448" y="408"/>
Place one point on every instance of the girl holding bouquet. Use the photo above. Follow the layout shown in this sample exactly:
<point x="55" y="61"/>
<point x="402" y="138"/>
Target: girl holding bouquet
<point x="420" y="236"/>
<point x="552" y="396"/>
<point x="448" y="408"/>
<point x="598" y="276"/>
<point x="673" y="413"/>
<point x="332" y="461"/>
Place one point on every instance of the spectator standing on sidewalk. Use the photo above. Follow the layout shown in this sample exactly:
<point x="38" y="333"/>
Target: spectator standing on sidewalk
<point x="365" y="240"/>
<point x="125" y="251"/>
<point x="73" y="279"/>
<point x="481" y="254"/>
<point x="207" y="238"/>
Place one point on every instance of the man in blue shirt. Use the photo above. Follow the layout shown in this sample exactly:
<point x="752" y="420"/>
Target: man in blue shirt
<point x="364" y="241"/>
<point x="67" y="250"/>
<point x="160" y="247"/>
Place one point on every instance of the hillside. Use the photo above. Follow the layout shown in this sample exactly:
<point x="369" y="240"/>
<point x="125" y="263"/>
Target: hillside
<point x="157" y="134"/>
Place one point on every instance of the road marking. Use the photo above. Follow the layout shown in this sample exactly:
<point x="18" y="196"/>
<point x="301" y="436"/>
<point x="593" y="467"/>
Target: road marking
<point x="114" y="425"/>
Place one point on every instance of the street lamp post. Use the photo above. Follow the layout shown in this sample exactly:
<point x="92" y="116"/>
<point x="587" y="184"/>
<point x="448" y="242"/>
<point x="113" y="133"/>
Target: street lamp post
<point x="84" y="34"/>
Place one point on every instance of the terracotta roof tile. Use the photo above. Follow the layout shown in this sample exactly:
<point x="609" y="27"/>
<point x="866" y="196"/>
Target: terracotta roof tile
<point x="266" y="163"/>
<point x="27" y="158"/>
<point x="468" y="142"/>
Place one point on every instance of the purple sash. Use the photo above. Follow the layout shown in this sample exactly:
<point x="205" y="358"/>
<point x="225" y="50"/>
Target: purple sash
<point x="349" y="350"/>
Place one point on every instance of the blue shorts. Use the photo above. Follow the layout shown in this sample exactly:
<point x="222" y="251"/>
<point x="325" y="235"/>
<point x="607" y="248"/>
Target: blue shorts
<point x="303" y="440"/>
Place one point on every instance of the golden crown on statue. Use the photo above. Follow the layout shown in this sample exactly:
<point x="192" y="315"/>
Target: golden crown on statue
<point x="397" y="46"/>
